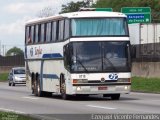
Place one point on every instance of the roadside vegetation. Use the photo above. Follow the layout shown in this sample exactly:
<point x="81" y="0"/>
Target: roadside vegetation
<point x="151" y="85"/>
<point x="14" y="116"/>
<point x="3" y="77"/>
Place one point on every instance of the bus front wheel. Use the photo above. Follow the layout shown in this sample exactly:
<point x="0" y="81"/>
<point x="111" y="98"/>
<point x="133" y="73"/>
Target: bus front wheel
<point x="63" y="88"/>
<point x="39" y="92"/>
<point x="33" y="84"/>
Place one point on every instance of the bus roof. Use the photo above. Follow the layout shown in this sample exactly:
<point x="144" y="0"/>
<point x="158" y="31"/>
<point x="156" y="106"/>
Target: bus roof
<point x="80" y="14"/>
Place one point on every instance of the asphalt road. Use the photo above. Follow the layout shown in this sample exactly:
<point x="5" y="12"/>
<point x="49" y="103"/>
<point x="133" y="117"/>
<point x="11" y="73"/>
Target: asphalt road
<point x="19" y="99"/>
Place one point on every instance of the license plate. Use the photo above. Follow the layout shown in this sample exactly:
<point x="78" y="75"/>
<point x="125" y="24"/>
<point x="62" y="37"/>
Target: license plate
<point x="102" y="88"/>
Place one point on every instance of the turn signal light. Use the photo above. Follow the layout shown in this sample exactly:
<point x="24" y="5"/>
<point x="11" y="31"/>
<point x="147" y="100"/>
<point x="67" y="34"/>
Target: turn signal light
<point x="79" y="81"/>
<point x="75" y="81"/>
<point x="129" y="79"/>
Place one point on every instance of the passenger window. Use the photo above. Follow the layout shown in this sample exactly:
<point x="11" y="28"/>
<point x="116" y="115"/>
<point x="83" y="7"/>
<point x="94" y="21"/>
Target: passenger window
<point x="37" y="34"/>
<point x="42" y="32"/>
<point x="32" y="34"/>
<point x="67" y="57"/>
<point x="66" y="32"/>
<point x="54" y="31"/>
<point x="61" y="30"/>
<point x="48" y="32"/>
<point x="28" y="37"/>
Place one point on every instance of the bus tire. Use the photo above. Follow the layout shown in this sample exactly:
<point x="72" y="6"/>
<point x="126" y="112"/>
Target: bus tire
<point x="115" y="96"/>
<point x="63" y="93"/>
<point x="33" y="84"/>
<point x="63" y="88"/>
<point x="39" y="93"/>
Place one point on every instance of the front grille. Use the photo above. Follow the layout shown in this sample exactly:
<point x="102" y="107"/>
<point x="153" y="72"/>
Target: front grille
<point x="99" y="81"/>
<point x="22" y="77"/>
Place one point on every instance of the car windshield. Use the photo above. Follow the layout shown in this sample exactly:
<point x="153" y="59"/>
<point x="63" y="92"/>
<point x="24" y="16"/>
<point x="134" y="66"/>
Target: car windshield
<point x="19" y="71"/>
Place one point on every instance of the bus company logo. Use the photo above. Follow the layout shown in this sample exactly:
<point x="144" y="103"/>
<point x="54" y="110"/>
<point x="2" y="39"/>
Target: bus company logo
<point x="113" y="76"/>
<point x="31" y="51"/>
<point x="38" y="51"/>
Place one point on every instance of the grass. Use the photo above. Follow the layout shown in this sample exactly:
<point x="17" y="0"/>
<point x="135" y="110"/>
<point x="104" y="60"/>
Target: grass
<point x="151" y="85"/>
<point x="14" y="116"/>
<point x="3" y="77"/>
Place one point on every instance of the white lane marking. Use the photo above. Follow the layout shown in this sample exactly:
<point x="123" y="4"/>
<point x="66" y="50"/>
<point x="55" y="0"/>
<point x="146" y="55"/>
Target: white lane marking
<point x="154" y="100"/>
<point x="10" y="110"/>
<point x="45" y="117"/>
<point x="32" y="98"/>
<point x="101" y="107"/>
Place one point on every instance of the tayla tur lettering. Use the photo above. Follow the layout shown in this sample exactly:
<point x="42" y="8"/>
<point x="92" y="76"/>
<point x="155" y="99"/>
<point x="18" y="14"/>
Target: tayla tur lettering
<point x="38" y="51"/>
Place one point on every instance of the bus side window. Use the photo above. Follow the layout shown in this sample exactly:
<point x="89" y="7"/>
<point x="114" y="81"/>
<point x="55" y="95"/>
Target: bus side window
<point x="48" y="32"/>
<point x="66" y="29"/>
<point x="67" y="57"/>
<point x="61" y="30"/>
<point x="32" y="34"/>
<point x="28" y="35"/>
<point x="36" y="34"/>
<point x="57" y="31"/>
<point x="43" y="33"/>
<point x="54" y="31"/>
<point x="39" y="33"/>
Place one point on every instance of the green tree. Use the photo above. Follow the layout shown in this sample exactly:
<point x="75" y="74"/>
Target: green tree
<point x="14" y="51"/>
<point x="73" y="6"/>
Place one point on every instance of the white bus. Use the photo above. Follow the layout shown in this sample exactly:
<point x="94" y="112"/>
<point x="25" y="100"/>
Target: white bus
<point x="79" y="53"/>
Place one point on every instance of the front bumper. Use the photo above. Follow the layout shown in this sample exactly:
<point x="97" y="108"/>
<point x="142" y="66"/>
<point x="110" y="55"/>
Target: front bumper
<point x="101" y="89"/>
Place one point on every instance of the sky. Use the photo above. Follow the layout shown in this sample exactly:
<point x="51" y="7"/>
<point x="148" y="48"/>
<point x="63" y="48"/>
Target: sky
<point x="15" y="13"/>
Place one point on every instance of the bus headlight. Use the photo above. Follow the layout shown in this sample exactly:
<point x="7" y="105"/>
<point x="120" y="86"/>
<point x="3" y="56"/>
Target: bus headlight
<point x="126" y="87"/>
<point x="80" y="81"/>
<point x="78" y="88"/>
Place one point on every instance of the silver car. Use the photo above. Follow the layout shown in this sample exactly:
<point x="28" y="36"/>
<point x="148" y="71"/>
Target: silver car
<point x="17" y="76"/>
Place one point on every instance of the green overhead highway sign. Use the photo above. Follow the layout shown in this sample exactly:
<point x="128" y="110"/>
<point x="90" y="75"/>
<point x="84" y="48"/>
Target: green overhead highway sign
<point x="137" y="14"/>
<point x="136" y="10"/>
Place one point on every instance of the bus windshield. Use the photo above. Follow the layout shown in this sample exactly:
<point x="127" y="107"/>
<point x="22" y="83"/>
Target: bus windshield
<point x="99" y="57"/>
<point x="99" y="27"/>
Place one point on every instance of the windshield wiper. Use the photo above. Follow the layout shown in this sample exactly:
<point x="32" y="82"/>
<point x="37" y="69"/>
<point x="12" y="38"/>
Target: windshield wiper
<point x="81" y="64"/>
<point x="110" y="63"/>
